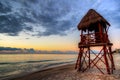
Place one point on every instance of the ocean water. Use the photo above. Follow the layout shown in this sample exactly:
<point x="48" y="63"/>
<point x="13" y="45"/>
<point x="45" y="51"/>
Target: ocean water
<point x="12" y="65"/>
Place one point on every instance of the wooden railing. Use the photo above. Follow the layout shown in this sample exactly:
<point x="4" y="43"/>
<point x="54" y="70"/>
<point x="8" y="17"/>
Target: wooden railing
<point x="94" y="38"/>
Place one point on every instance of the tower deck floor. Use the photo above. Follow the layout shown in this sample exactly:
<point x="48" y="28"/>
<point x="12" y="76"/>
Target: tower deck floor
<point x="94" y="45"/>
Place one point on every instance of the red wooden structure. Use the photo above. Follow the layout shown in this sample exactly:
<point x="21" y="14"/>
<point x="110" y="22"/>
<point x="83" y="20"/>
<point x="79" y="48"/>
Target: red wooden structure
<point x="94" y="29"/>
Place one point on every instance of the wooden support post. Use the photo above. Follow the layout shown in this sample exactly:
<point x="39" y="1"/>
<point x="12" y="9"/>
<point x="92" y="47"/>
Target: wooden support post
<point x="89" y="55"/>
<point x="76" y="66"/>
<point x="81" y="53"/>
<point x="112" y="61"/>
<point x="89" y="47"/>
<point x="106" y="36"/>
<point x="81" y="35"/>
<point x="79" y="59"/>
<point x="106" y="61"/>
<point x="100" y="32"/>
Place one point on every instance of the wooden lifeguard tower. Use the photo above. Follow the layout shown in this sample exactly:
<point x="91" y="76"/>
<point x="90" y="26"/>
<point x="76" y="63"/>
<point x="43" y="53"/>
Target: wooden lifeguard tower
<point x="94" y="29"/>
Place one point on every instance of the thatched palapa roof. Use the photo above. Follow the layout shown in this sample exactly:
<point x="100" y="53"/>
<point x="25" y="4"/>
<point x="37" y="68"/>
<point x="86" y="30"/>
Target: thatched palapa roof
<point x="90" y="18"/>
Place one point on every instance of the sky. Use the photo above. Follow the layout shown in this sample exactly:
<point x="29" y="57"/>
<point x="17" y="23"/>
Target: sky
<point x="52" y="24"/>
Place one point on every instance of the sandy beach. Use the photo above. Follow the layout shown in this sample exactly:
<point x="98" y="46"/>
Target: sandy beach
<point x="67" y="72"/>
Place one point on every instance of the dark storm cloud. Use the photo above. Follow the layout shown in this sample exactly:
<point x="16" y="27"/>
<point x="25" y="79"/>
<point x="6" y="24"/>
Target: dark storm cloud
<point x="10" y="25"/>
<point x="49" y="16"/>
<point x="52" y="17"/>
<point x="46" y="13"/>
<point x="4" y="9"/>
<point x="11" y="22"/>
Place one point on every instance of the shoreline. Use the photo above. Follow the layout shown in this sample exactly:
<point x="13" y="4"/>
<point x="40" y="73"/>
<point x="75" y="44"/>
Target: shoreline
<point x="66" y="72"/>
<point x="43" y="73"/>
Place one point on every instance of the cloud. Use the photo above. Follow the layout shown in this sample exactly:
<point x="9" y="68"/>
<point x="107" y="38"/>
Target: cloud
<point x="17" y="14"/>
<point x="110" y="10"/>
<point x="9" y="24"/>
<point x="27" y="38"/>
<point x="48" y="17"/>
<point x="4" y="9"/>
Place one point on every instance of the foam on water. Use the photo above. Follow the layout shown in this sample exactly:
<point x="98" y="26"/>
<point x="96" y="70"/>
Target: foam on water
<point x="10" y="67"/>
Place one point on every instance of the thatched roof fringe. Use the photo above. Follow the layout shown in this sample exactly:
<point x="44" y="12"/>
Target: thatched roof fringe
<point x="91" y="17"/>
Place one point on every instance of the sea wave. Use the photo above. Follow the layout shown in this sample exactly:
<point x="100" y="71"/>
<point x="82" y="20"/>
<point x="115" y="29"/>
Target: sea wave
<point x="4" y="63"/>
